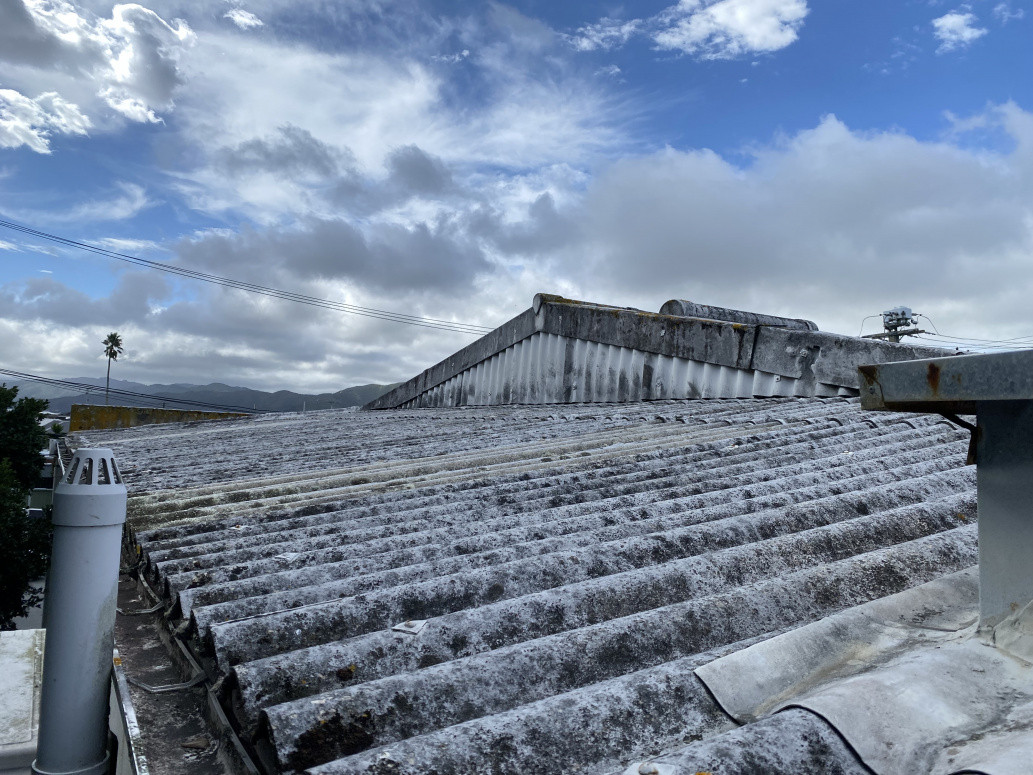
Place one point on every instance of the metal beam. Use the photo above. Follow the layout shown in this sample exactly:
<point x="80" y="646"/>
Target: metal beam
<point x="998" y="389"/>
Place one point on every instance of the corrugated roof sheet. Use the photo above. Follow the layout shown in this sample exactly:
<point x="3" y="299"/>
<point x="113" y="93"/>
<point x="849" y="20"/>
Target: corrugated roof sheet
<point x="526" y="589"/>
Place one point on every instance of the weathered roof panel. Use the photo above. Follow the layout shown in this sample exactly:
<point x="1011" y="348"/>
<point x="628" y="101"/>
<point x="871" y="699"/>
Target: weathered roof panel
<point x="572" y="565"/>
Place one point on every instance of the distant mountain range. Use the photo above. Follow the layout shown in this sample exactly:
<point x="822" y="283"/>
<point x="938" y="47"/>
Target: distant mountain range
<point x="216" y="394"/>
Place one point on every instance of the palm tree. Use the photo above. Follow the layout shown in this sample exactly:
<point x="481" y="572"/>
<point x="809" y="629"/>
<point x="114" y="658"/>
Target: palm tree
<point x="112" y="349"/>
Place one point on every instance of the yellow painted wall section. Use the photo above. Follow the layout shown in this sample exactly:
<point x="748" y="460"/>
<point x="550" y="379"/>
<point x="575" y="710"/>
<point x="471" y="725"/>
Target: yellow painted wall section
<point x="89" y="418"/>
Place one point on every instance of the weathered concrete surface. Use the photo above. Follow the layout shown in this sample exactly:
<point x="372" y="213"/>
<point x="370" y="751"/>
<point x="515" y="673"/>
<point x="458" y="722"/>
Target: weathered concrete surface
<point x="825" y="357"/>
<point x="89" y="417"/>
<point x="563" y="351"/>
<point x="21" y="675"/>
<point x="690" y="309"/>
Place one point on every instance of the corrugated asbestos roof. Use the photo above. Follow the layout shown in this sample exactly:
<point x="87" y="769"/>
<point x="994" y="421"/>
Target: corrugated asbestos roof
<point x="527" y="589"/>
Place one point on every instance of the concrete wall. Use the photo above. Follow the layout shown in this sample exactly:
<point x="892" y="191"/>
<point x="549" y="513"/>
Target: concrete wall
<point x="88" y="417"/>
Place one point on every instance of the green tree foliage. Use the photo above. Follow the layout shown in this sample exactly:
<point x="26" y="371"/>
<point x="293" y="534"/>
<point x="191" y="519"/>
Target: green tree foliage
<point x="112" y="348"/>
<point x="21" y="435"/>
<point x="24" y="542"/>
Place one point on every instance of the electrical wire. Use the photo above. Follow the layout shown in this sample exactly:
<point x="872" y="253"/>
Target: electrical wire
<point x="930" y="321"/>
<point x="84" y="387"/>
<point x="867" y="317"/>
<point x="194" y="274"/>
<point x="1015" y="343"/>
<point x="1004" y="342"/>
<point x="945" y="340"/>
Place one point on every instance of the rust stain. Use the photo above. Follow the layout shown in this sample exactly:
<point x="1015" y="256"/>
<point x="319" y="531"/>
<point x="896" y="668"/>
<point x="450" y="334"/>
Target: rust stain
<point x="870" y="373"/>
<point x="932" y="376"/>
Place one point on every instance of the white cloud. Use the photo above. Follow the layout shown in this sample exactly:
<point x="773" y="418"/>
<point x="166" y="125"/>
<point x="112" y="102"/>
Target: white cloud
<point x="708" y="29"/>
<point x="956" y="31"/>
<point x="604" y="35"/>
<point x="730" y="28"/>
<point x="830" y="223"/>
<point x="243" y="19"/>
<point x="284" y="131"/>
<point x="128" y="200"/>
<point x="97" y="68"/>
<point x="1004" y="14"/>
<point x="455" y="58"/>
<point x="30" y="122"/>
<point x="124" y="245"/>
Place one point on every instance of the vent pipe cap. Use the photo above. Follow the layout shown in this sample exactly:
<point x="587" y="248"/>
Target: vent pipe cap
<point x="94" y="485"/>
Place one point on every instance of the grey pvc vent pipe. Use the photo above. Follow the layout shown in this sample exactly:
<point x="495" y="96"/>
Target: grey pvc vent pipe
<point x="89" y="511"/>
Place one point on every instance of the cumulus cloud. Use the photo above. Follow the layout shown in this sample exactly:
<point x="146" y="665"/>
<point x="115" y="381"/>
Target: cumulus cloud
<point x="46" y="298"/>
<point x="383" y="257"/>
<point x="30" y="122"/>
<point x="731" y="28"/>
<point x="369" y="175"/>
<point x="288" y="152"/>
<point x="349" y="114"/>
<point x="830" y="221"/>
<point x="707" y="29"/>
<point x="127" y="63"/>
<point x="956" y="30"/>
<point x="243" y="19"/>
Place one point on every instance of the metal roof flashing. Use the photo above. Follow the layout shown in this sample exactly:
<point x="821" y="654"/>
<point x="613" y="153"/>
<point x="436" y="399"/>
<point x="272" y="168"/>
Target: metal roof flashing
<point x="953" y="384"/>
<point x="908" y="681"/>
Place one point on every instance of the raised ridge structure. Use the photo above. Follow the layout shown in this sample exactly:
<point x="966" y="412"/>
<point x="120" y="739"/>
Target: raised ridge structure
<point x="563" y="351"/>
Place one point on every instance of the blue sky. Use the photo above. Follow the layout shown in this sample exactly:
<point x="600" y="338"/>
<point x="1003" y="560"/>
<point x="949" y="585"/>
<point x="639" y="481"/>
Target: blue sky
<point x="448" y="159"/>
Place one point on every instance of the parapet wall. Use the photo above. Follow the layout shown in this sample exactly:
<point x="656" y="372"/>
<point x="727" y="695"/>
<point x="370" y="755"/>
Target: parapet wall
<point x="87" y="417"/>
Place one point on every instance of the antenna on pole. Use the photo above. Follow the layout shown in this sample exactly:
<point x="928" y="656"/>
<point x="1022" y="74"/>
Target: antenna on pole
<point x="895" y="322"/>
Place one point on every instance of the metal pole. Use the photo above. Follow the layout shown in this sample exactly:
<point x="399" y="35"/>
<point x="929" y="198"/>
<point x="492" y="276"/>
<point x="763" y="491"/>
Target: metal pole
<point x="1004" y="473"/>
<point x="89" y="511"/>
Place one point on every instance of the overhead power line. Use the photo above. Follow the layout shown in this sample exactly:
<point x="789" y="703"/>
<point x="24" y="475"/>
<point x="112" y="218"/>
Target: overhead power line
<point x="945" y="340"/>
<point x="194" y="274"/>
<point x="87" y="388"/>
<point x="1004" y="342"/>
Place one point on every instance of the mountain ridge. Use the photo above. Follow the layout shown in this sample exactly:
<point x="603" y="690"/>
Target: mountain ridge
<point x="217" y="394"/>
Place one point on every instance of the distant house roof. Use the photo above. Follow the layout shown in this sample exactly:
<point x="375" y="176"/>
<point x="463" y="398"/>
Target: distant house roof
<point x="565" y="351"/>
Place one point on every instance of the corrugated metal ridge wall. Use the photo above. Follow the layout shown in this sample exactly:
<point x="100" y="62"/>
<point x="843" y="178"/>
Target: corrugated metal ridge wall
<point x="564" y="351"/>
<point x="551" y="369"/>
